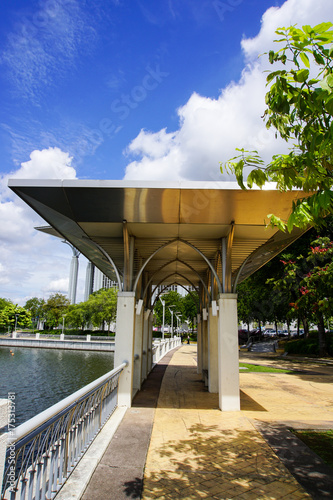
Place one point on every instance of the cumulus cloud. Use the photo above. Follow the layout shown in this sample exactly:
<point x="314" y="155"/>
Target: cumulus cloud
<point x="211" y="129"/>
<point x="57" y="286"/>
<point x="51" y="163"/>
<point x="31" y="261"/>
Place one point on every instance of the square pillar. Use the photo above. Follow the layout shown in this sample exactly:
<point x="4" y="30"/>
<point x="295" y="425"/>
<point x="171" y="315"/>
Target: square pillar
<point x="213" y="358"/>
<point x="204" y="333"/>
<point x="150" y="342"/>
<point x="138" y="343"/>
<point x="199" y="345"/>
<point x="228" y="352"/>
<point x="124" y="345"/>
<point x="144" y="368"/>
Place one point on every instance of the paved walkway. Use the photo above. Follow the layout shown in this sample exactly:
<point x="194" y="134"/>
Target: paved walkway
<point x="197" y="451"/>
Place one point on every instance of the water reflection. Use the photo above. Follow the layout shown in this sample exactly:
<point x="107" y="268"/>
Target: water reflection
<point x="42" y="377"/>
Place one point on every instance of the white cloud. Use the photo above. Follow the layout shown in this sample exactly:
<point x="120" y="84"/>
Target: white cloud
<point x="57" y="286"/>
<point x="211" y="129"/>
<point x="32" y="263"/>
<point x="51" y="163"/>
<point x="44" y="44"/>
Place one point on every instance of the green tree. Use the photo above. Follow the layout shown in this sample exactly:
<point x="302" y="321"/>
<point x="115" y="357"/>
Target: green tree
<point x="12" y="314"/>
<point x="300" y="108"/>
<point x="103" y="306"/>
<point x="310" y="280"/>
<point x="79" y="315"/>
<point x="190" y="303"/>
<point x="173" y="300"/>
<point x="55" y="308"/>
<point x="36" y="307"/>
<point x="4" y="303"/>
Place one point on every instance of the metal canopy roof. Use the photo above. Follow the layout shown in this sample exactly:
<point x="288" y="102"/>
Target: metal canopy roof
<point x="180" y="217"/>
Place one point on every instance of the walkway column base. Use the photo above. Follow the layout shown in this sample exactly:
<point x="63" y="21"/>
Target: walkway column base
<point x="124" y="346"/>
<point x="150" y="342"/>
<point x="138" y="348"/>
<point x="199" y="345"/>
<point x="229" y="399"/>
<point x="204" y="336"/>
<point x="144" y="369"/>
<point x="213" y="357"/>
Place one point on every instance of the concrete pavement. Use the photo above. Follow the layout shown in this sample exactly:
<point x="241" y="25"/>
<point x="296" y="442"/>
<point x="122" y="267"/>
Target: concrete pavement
<point x="197" y="451"/>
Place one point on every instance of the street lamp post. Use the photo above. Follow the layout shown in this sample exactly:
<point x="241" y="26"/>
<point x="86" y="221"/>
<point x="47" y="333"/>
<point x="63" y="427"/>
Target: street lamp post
<point x="178" y="318"/>
<point x="170" y="309"/>
<point x="63" y="323"/>
<point x="16" y="316"/>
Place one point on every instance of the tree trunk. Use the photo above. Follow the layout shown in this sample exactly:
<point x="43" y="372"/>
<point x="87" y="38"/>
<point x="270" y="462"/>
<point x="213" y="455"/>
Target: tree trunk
<point x="322" y="337"/>
<point x="288" y="328"/>
<point x="259" y="324"/>
<point x="306" y="327"/>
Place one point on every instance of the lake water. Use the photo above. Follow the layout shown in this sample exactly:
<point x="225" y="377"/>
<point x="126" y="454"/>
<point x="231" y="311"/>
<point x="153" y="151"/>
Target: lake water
<point x="42" y="377"/>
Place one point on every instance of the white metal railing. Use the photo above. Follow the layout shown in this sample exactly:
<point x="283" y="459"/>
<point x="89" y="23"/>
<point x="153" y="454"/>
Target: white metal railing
<point x="162" y="347"/>
<point x="46" y="448"/>
<point x="43" y="336"/>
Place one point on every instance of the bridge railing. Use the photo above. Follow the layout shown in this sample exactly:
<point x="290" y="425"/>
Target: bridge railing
<point x="43" y="451"/>
<point x="162" y="347"/>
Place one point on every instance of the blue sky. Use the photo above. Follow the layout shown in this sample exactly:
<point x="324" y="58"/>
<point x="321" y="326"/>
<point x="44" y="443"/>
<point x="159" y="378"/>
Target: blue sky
<point x="117" y="89"/>
<point x="88" y="76"/>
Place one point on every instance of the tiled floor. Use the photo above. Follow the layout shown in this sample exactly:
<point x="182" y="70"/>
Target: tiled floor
<point x="197" y="451"/>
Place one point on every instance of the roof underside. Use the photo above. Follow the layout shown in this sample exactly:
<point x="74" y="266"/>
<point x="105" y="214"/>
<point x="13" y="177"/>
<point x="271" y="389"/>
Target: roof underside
<point x="85" y="211"/>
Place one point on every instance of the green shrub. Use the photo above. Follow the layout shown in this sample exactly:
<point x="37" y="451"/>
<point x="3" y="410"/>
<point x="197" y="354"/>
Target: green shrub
<point x="309" y="346"/>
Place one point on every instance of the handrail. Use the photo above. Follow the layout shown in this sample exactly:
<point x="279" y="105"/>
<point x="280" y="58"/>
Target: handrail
<point x="46" y="448"/>
<point x="56" y="409"/>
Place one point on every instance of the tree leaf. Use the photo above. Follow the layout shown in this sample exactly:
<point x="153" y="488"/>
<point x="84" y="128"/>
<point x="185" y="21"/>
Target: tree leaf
<point x="301" y="75"/>
<point x="305" y="59"/>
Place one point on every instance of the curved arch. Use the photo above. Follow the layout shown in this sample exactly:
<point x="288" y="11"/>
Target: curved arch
<point x="239" y="273"/>
<point x="188" y="291"/>
<point x="218" y="281"/>
<point x="182" y="262"/>
<point x="197" y="306"/>
<point x="169" y="276"/>
<point x="107" y="256"/>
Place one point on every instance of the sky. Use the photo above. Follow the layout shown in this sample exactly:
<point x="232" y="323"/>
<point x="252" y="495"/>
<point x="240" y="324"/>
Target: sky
<point x="126" y="89"/>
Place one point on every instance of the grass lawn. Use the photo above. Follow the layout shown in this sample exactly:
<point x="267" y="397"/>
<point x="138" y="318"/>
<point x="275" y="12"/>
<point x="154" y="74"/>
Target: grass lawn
<point x="321" y="442"/>
<point x="259" y="368"/>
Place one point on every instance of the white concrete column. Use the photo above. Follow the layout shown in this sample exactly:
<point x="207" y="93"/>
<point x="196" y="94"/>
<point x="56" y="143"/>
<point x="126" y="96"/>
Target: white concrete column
<point x="204" y="333"/>
<point x="228" y="350"/>
<point x="124" y="345"/>
<point x="199" y="345"/>
<point x="144" y="369"/>
<point x="138" y="343"/>
<point x="150" y="342"/>
<point x="213" y="358"/>
<point x="73" y="276"/>
<point x="98" y="279"/>
<point x="89" y="283"/>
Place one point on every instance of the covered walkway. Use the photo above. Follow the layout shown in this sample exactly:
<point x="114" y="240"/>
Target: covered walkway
<point x="196" y="451"/>
<point x="147" y="236"/>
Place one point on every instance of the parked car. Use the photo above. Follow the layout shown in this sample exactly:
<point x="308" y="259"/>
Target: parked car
<point x="269" y="332"/>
